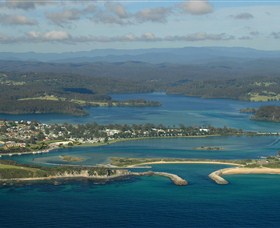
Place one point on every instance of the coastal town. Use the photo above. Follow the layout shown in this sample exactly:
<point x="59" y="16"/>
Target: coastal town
<point x="30" y="136"/>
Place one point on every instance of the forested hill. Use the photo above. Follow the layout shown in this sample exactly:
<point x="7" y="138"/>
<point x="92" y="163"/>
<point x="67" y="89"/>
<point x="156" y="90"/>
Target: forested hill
<point x="186" y="55"/>
<point x="267" y="113"/>
<point x="37" y="87"/>
<point x="215" y="69"/>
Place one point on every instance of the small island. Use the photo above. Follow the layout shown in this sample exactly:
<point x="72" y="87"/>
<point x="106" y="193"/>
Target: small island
<point x="68" y="158"/>
<point x="31" y="137"/>
<point x="267" y="113"/>
<point x="208" y="148"/>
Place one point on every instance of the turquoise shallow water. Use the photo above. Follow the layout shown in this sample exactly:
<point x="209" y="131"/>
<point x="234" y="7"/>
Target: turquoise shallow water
<point x="248" y="201"/>
<point x="234" y="148"/>
<point x="174" y="110"/>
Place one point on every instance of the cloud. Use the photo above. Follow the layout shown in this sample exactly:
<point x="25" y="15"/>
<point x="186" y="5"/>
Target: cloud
<point x="117" y="9"/>
<point x="65" y="16"/>
<point x="16" y="20"/>
<point x="254" y="33"/>
<point x="111" y="13"/>
<point x="26" y="5"/>
<point x="275" y="35"/>
<point x="116" y="13"/>
<point x="106" y="18"/>
<point x="197" y="7"/>
<point x="64" y="37"/>
<point x="245" y="38"/>
<point x="148" y="36"/>
<point x="90" y="9"/>
<point x="50" y="36"/>
<point x="243" y="16"/>
<point x="151" y="37"/>
<point x="4" y="39"/>
<point x="153" y="15"/>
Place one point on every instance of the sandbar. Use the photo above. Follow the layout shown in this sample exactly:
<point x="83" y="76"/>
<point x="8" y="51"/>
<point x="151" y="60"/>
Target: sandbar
<point x="183" y="162"/>
<point x="217" y="175"/>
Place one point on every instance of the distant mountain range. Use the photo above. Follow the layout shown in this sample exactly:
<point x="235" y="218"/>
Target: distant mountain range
<point x="187" y="55"/>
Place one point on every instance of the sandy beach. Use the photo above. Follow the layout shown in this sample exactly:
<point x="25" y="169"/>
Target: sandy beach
<point x="182" y="162"/>
<point x="217" y="175"/>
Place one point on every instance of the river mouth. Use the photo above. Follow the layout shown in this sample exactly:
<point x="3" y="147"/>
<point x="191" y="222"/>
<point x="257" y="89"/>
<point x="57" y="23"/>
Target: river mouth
<point x="175" y="110"/>
<point x="234" y="147"/>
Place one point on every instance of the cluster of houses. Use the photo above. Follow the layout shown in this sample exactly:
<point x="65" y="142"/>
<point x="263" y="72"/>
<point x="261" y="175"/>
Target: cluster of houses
<point x="20" y="133"/>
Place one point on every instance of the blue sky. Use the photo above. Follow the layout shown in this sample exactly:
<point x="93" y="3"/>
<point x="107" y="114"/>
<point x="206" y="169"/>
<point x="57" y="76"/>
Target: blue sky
<point x="62" y="26"/>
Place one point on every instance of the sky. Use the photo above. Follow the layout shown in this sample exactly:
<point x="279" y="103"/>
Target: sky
<point x="63" y="26"/>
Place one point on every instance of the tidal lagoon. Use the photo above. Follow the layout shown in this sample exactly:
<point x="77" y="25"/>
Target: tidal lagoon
<point x="140" y="201"/>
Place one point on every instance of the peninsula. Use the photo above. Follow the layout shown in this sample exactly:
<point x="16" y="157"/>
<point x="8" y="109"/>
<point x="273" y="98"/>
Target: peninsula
<point x="11" y="172"/>
<point x="21" y="137"/>
<point x="269" y="165"/>
<point x="217" y="175"/>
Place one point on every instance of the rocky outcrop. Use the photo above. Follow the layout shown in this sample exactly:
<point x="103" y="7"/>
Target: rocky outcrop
<point x="216" y="177"/>
<point x="113" y="174"/>
<point x="174" y="178"/>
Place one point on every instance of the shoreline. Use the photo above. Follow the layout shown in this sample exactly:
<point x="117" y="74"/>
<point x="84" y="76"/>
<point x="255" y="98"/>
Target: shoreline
<point x="175" y="179"/>
<point x="100" y="144"/>
<point x="216" y="176"/>
<point x="182" y="162"/>
<point x="28" y="152"/>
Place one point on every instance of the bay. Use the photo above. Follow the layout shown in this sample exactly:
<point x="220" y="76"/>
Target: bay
<point x="234" y="147"/>
<point x="248" y="201"/>
<point x="175" y="110"/>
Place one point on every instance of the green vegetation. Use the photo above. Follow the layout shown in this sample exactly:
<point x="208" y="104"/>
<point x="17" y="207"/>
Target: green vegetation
<point x="248" y="88"/>
<point x="31" y="136"/>
<point x="63" y="93"/>
<point x="125" y="162"/>
<point x="267" y="113"/>
<point x="269" y="162"/>
<point x="11" y="169"/>
<point x="71" y="158"/>
<point x="264" y="96"/>
<point x="50" y="88"/>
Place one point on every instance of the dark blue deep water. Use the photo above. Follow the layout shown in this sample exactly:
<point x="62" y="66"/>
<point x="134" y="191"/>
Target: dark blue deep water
<point x="248" y="201"/>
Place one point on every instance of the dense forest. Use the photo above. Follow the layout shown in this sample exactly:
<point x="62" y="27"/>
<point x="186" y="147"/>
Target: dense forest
<point x="251" y="88"/>
<point x="267" y="113"/>
<point x="63" y="93"/>
<point x="35" y="87"/>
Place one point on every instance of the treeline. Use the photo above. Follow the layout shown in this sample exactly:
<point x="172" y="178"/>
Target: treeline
<point x="39" y="107"/>
<point x="267" y="113"/>
<point x="12" y="169"/>
<point x="62" y="93"/>
<point x="239" y="88"/>
<point x="94" y="82"/>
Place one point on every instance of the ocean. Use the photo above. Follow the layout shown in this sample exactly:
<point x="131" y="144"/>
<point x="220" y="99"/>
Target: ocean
<point x="248" y="201"/>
